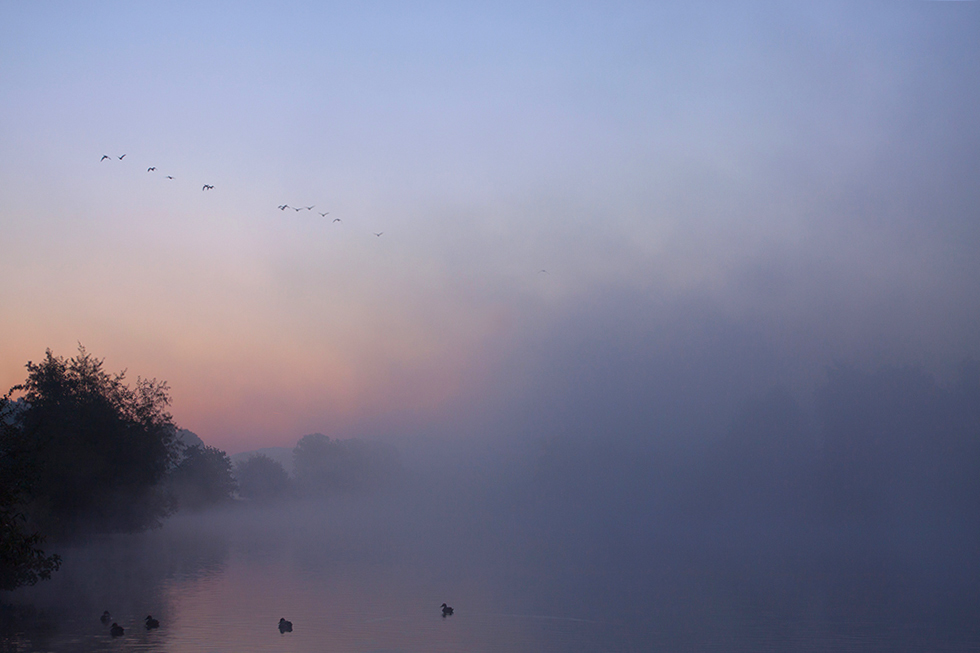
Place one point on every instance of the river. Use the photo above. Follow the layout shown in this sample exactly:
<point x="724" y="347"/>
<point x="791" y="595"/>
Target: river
<point x="370" y="575"/>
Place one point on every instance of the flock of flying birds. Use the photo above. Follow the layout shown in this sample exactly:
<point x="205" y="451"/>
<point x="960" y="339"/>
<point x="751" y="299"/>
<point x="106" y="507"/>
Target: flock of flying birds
<point x="281" y="207"/>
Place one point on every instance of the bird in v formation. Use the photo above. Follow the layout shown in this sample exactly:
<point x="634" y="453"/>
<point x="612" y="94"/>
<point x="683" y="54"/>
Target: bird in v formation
<point x="150" y="169"/>
<point x="281" y="207"/>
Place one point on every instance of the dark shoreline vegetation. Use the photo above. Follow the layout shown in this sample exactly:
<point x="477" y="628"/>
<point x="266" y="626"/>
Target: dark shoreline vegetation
<point x="82" y="454"/>
<point x="867" y="498"/>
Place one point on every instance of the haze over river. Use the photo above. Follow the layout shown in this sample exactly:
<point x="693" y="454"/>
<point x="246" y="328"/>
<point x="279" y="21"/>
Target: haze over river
<point x="670" y="309"/>
<point x="370" y="574"/>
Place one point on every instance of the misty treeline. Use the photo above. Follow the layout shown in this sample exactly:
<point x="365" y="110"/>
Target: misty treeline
<point x="859" y="498"/>
<point x="891" y="443"/>
<point x="322" y="467"/>
<point x="862" y="497"/>
<point x="82" y="452"/>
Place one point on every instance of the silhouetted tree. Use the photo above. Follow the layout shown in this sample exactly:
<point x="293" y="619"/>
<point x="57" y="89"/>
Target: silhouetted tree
<point x="261" y="478"/>
<point x="203" y="478"/>
<point x="22" y="561"/>
<point x="98" y="448"/>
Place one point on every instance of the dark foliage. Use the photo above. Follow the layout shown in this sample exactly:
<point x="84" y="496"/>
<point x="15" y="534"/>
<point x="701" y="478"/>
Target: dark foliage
<point x="203" y="478"/>
<point x="98" y="449"/>
<point x="22" y="561"/>
<point x="261" y="478"/>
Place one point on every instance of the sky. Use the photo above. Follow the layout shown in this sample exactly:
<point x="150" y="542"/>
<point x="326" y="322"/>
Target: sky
<point x="577" y="205"/>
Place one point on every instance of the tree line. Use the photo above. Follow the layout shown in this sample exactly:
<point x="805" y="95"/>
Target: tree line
<point x="322" y="466"/>
<point x="83" y="452"/>
<point x="889" y="446"/>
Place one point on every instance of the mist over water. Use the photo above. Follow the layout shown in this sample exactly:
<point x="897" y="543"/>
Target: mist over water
<point x="772" y="538"/>
<point x="676" y="481"/>
<point x="669" y="339"/>
<point x="679" y="478"/>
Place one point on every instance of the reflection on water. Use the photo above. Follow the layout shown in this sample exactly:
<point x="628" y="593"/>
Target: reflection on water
<point x="358" y="607"/>
<point x="221" y="582"/>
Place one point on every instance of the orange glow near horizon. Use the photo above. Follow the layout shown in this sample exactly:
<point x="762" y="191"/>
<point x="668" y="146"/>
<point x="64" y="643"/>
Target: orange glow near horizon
<point x="268" y="385"/>
<point x="482" y="179"/>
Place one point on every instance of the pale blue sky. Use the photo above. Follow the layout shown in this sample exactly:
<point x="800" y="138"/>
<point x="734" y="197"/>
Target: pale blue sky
<point x="808" y="172"/>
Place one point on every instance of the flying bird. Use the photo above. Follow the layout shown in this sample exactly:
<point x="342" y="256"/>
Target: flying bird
<point x="377" y="233"/>
<point x="104" y="157"/>
<point x="150" y="169"/>
<point x="283" y="207"/>
<point x="323" y="215"/>
<point x="542" y="270"/>
<point x="295" y="209"/>
<point x="309" y="208"/>
<point x="206" y="187"/>
<point x="169" y="177"/>
<point x="122" y="157"/>
<point x="336" y="220"/>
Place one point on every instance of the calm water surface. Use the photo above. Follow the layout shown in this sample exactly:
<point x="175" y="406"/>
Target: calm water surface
<point x="221" y="582"/>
